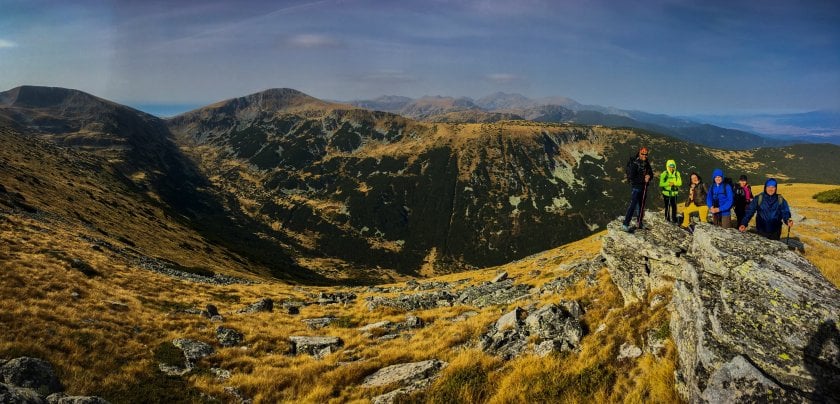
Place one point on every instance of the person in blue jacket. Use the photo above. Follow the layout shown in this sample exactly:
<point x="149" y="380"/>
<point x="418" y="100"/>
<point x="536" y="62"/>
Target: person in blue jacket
<point x="772" y="209"/>
<point x="719" y="200"/>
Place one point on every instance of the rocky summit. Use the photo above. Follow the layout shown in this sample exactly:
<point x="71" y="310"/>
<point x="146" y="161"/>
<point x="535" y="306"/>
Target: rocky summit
<point x="752" y="320"/>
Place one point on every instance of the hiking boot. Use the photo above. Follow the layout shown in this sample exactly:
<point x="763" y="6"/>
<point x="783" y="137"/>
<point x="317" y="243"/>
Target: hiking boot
<point x="625" y="228"/>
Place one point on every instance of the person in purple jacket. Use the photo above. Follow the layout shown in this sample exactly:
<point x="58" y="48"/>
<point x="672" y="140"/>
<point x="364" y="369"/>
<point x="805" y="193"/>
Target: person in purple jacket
<point x="719" y="199"/>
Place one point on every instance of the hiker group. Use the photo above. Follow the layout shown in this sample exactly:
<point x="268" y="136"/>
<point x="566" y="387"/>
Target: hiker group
<point x="719" y="199"/>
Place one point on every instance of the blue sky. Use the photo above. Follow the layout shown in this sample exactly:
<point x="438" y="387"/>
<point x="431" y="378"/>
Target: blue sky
<point x="667" y="56"/>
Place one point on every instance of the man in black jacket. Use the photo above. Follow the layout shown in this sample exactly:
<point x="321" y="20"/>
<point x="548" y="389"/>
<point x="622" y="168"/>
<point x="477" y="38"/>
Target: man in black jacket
<point x="639" y="174"/>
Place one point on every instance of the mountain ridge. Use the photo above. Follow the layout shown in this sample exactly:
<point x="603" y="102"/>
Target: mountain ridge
<point x="332" y="181"/>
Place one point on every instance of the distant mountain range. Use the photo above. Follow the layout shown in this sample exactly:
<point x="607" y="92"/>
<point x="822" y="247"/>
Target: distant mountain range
<point x="505" y="106"/>
<point x="313" y="190"/>
<point x="815" y="126"/>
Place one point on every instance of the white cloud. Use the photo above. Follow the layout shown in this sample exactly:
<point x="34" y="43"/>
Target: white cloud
<point x="4" y="43"/>
<point x="311" y="41"/>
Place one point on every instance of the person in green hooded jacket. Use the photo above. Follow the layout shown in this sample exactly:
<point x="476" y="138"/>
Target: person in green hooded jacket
<point x="670" y="182"/>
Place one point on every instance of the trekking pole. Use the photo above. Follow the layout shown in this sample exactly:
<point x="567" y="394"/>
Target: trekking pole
<point x="787" y="240"/>
<point x="642" y="205"/>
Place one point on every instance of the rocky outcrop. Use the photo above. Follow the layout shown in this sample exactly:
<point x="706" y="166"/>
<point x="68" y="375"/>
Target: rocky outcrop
<point x="752" y="321"/>
<point x="553" y="328"/>
<point x="646" y="259"/>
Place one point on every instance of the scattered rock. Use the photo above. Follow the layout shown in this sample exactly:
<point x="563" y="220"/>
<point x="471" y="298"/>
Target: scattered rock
<point x="404" y="373"/>
<point x="61" y="398"/>
<point x="211" y="311"/>
<point x="413" y="302"/>
<point x="315" y="346"/>
<point x="601" y="328"/>
<point x="500" y="277"/>
<point x="265" y="304"/>
<point x="193" y="350"/>
<point x="488" y="293"/>
<point x="14" y="395"/>
<point x="31" y="373"/>
<point x="221" y="374"/>
<point x="337" y="297"/>
<point x="376" y="326"/>
<point x="412" y="321"/>
<point x="319" y="322"/>
<point x="628" y="351"/>
<point x="586" y="269"/>
<point x="410" y="376"/>
<point x="229" y="337"/>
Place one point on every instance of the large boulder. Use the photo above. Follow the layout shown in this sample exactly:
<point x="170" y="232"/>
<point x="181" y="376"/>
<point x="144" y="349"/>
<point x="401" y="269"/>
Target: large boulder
<point x="31" y="373"/>
<point x="747" y="296"/>
<point x="751" y="320"/>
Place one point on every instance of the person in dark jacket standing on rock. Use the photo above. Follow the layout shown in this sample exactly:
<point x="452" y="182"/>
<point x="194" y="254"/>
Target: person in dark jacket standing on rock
<point x="743" y="196"/>
<point x="772" y="209"/>
<point x="696" y="201"/>
<point x="720" y="200"/>
<point x="670" y="182"/>
<point x="639" y="174"/>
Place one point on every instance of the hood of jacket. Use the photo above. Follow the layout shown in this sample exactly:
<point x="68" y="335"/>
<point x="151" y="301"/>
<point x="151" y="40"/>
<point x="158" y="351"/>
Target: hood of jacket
<point x="771" y="182"/>
<point x="716" y="173"/>
<point x="668" y="163"/>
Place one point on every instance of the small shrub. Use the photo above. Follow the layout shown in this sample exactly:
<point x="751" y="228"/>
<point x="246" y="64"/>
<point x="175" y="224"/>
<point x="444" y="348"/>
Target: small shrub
<point x="830" y="196"/>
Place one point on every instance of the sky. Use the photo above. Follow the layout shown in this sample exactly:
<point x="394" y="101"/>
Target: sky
<point x="663" y="56"/>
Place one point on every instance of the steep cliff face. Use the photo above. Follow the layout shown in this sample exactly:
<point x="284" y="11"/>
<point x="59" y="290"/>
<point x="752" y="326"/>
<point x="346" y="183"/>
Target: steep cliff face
<point x="752" y="320"/>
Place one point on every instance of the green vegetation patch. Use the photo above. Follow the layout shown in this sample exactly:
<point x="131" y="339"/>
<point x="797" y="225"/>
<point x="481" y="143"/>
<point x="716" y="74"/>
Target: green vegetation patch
<point x="830" y="196"/>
